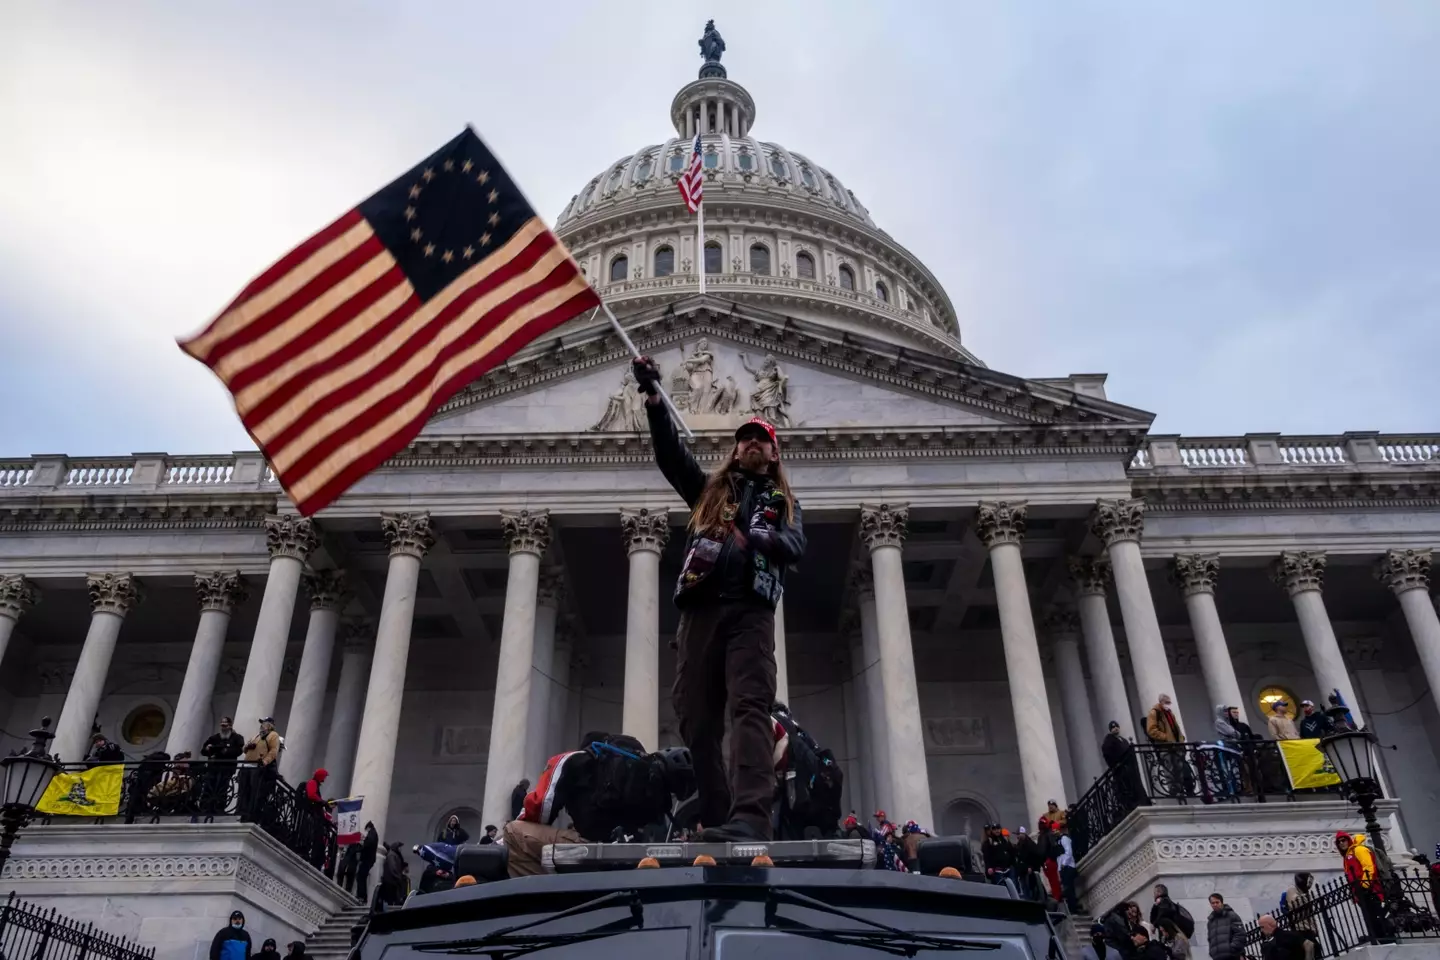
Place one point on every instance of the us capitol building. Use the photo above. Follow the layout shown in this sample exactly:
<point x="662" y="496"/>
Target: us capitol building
<point x="997" y="568"/>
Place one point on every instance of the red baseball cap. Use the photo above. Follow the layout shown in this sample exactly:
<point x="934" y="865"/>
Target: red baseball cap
<point x="748" y="425"/>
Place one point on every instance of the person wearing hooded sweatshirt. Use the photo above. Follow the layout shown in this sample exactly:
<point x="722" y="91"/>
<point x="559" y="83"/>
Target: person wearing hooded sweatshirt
<point x="231" y="941"/>
<point x="1300" y="894"/>
<point x="1224" y="931"/>
<point x="452" y="833"/>
<point x="1365" y="885"/>
<point x="267" y="951"/>
<point x="318" y="816"/>
<point x="1096" y="948"/>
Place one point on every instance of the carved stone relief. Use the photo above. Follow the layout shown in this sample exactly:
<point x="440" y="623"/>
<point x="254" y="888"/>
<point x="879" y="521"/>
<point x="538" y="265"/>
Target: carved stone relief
<point x="709" y="398"/>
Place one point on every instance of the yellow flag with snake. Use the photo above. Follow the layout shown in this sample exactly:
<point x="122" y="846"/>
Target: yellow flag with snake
<point x="1306" y="764"/>
<point x="84" y="793"/>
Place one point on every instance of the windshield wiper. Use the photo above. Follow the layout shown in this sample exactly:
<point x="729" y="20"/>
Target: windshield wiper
<point x="509" y="942"/>
<point x="882" y="937"/>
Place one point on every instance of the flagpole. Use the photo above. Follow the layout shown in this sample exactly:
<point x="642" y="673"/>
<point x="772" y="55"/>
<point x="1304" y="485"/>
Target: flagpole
<point x="700" y="242"/>
<point x="664" y="397"/>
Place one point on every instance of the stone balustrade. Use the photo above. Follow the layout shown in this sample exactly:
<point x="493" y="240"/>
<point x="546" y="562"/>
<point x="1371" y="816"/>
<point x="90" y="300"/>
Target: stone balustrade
<point x="142" y="471"/>
<point x="1265" y="450"/>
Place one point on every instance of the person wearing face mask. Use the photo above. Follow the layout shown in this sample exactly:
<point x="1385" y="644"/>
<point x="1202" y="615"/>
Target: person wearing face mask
<point x="267" y="951"/>
<point x="1096" y="948"/>
<point x="745" y="532"/>
<point x="231" y="941"/>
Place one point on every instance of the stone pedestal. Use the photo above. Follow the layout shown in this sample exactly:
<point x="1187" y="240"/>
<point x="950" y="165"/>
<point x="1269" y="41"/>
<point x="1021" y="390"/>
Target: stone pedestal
<point x="171" y="886"/>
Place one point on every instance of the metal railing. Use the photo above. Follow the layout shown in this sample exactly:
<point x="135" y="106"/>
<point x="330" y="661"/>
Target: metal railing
<point x="158" y="789"/>
<point x="1248" y="772"/>
<point x="28" y="932"/>
<point x="1344" y="915"/>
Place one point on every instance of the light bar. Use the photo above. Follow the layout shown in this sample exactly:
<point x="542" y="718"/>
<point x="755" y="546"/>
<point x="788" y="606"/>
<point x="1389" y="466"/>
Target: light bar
<point x="590" y="857"/>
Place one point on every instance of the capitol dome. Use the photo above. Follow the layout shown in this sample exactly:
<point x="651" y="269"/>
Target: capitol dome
<point x="781" y="230"/>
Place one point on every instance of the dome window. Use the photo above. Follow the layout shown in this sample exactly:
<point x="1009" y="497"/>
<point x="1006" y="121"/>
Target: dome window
<point x="747" y="161"/>
<point x="677" y="163"/>
<point x="642" y="172"/>
<point x="615" y="178"/>
<point x="760" y="259"/>
<point x="712" y="160"/>
<point x="882" y="292"/>
<point x="619" y="268"/>
<point x="664" y="262"/>
<point x="804" y="266"/>
<point x="712" y="258"/>
<point x="847" y="278"/>
<point x="585" y="197"/>
<point x="808" y="177"/>
<point x="777" y="166"/>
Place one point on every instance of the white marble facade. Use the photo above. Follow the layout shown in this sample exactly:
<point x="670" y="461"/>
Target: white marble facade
<point x="941" y="609"/>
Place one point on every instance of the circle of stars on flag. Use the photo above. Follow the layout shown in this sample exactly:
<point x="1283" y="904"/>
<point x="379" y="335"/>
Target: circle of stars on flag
<point x="427" y="176"/>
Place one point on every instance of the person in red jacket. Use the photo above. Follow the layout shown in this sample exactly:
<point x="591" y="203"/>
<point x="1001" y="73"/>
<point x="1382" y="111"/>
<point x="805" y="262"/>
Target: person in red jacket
<point x="319" y="817"/>
<point x="313" y="785"/>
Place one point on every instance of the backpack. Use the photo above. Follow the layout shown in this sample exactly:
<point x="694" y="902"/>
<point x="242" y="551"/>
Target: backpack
<point x="1184" y="921"/>
<point x="813" y="782"/>
<point x="627" y="792"/>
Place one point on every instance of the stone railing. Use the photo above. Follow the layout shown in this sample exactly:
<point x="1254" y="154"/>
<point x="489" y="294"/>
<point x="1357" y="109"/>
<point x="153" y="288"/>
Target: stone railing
<point x="1258" y="450"/>
<point x="140" y="471"/>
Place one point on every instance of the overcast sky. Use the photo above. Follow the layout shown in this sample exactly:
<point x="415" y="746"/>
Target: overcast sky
<point x="1232" y="208"/>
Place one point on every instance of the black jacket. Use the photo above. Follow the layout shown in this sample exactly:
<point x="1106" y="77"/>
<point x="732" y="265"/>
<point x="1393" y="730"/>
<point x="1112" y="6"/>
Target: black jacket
<point x="1225" y="932"/>
<point x="230" y="944"/>
<point x="368" y="849"/>
<point x="997" y="854"/>
<point x="1288" y="945"/>
<point x="220" y="747"/>
<point x="1113" y="748"/>
<point x="732" y="572"/>
<point x="455" y="835"/>
<point x="1316" y="725"/>
<point x="1028" y="853"/>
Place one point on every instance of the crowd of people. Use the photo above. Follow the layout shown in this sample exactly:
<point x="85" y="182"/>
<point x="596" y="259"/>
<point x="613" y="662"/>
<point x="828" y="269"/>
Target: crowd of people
<point x="232" y="942"/>
<point x="1040" y="865"/>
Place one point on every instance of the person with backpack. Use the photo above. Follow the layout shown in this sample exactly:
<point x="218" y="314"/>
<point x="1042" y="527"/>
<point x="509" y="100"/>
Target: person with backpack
<point x="1165" y="908"/>
<point x="809" y="783"/>
<point x="745" y="532"/>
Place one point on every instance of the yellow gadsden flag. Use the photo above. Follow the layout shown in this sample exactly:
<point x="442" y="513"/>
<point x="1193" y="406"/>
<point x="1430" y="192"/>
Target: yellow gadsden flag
<point x="86" y="793"/>
<point x="1306" y="765"/>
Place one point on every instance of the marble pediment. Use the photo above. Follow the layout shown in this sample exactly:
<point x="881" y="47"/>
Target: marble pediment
<point x="717" y="384"/>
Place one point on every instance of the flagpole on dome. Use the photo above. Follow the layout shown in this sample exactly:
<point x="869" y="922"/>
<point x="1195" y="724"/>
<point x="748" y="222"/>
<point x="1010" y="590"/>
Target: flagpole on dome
<point x="700" y="241"/>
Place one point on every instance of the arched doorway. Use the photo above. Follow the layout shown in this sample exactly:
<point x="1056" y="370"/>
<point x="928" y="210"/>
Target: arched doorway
<point x="964" y="817"/>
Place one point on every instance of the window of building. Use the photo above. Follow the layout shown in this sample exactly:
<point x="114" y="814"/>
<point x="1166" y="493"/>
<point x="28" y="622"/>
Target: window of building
<point x="712" y="160"/>
<point x="589" y="192"/>
<point x="882" y="292"/>
<point x="677" y="163"/>
<point x="760" y="259"/>
<point x="747" y="161"/>
<point x="847" y="278"/>
<point x="808" y="177"/>
<point x="712" y="258"/>
<point x="143" y="725"/>
<point x="1273" y="695"/>
<point x="619" y="268"/>
<point x="664" y="262"/>
<point x="804" y="266"/>
<point x="616" y="176"/>
<point x="777" y="166"/>
<point x="642" y="172"/>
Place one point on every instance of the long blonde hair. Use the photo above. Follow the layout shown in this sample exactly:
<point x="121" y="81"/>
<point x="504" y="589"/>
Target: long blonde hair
<point x="709" y="513"/>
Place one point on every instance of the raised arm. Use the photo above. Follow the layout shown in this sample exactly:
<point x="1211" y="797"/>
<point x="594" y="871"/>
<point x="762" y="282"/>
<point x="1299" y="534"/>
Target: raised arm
<point x="675" y="461"/>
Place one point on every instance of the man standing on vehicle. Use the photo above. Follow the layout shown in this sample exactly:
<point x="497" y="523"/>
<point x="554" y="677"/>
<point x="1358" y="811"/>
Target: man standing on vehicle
<point x="744" y="532"/>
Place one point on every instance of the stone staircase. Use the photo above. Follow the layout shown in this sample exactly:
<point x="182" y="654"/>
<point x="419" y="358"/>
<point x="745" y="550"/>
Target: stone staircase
<point x="332" y="940"/>
<point x="1074" y="933"/>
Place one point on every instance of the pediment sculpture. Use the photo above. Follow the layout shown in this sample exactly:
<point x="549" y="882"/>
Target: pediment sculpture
<point x="709" y="400"/>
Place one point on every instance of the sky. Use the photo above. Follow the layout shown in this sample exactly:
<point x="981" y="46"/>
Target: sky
<point x="1231" y="208"/>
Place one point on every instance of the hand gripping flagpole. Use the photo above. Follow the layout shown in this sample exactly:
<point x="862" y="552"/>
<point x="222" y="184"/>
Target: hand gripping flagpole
<point x="664" y="397"/>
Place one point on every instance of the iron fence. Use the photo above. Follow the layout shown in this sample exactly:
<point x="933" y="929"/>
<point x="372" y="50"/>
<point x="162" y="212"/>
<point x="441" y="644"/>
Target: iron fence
<point x="1343" y="915"/>
<point x="28" y="932"/>
<point x="1149" y="773"/>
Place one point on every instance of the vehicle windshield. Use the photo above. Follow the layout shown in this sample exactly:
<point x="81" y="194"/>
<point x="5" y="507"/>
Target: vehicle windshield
<point x="618" y="945"/>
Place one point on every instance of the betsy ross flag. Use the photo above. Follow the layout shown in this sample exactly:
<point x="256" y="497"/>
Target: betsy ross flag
<point x="692" y="181"/>
<point x="338" y="354"/>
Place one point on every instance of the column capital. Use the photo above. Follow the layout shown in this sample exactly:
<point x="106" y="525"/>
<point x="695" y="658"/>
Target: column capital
<point x="222" y="590"/>
<point x="551" y="591"/>
<point x="862" y="583"/>
<point x="408" y="534"/>
<point x="1114" y="521"/>
<point x="1299" y="570"/>
<point x="328" y="589"/>
<point x="1195" y="572"/>
<point x="526" y="531"/>
<point x="884" y="525"/>
<point x="112" y="592"/>
<point x="293" y="537"/>
<point x="357" y="633"/>
<point x="1091" y="575"/>
<point x="644" y="529"/>
<point x="1000" y="521"/>
<point x="17" y="594"/>
<point x="1404" y="570"/>
<point x="1061" y="623"/>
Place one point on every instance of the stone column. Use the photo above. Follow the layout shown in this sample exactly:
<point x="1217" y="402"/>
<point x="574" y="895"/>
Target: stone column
<point x="410" y="538"/>
<point x="528" y="534"/>
<point x="17" y="595"/>
<point x="290" y="540"/>
<point x="549" y="597"/>
<point x="1407" y="572"/>
<point x="349" y="702"/>
<point x="1091" y="576"/>
<point x="1001" y="527"/>
<point x="111" y="597"/>
<point x="872" y="688"/>
<point x="1195" y="575"/>
<point x="782" y="665"/>
<point x="852" y="692"/>
<point x="1063" y="628"/>
<point x="645" y="532"/>
<point x="328" y="593"/>
<point x="1119" y="525"/>
<point x="1302" y="573"/>
<point x="219" y="593"/>
<point x="883" y="529"/>
<point x="559" y="737"/>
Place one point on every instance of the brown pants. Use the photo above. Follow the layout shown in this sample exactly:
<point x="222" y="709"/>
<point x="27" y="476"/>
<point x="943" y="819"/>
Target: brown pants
<point x="727" y="658"/>
<point x="526" y="842"/>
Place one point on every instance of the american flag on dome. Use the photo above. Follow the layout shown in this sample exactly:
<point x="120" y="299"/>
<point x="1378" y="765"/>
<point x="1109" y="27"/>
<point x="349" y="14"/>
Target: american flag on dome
<point x="338" y="354"/>
<point x="692" y="181"/>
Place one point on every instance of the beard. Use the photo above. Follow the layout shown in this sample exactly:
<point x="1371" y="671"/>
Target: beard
<point x="753" y="460"/>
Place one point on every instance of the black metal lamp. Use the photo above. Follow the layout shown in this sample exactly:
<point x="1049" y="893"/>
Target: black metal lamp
<point x="25" y="777"/>
<point x="1352" y="755"/>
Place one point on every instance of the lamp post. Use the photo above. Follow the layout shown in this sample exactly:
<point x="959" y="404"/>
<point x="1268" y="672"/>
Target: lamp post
<point x="1352" y="754"/>
<point x="25" y="775"/>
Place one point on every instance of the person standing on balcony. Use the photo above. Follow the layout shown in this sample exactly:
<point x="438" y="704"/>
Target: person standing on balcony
<point x="1313" y="723"/>
<point x="744" y="533"/>
<point x="220" y="750"/>
<point x="263" y="751"/>
<point x="1279" y="723"/>
<point x="1163" y="729"/>
<point x="1161" y="725"/>
<point x="231" y="941"/>
<point x="369" y="847"/>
